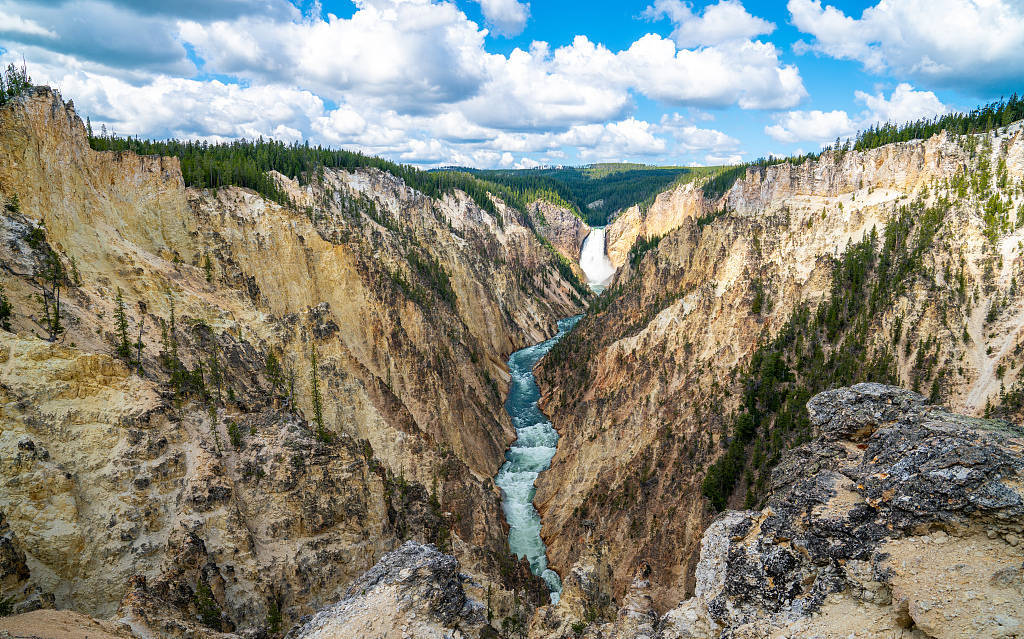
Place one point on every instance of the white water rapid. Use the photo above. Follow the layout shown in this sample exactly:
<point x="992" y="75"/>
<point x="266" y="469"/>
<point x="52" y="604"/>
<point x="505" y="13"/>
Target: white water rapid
<point x="528" y="456"/>
<point x="594" y="260"/>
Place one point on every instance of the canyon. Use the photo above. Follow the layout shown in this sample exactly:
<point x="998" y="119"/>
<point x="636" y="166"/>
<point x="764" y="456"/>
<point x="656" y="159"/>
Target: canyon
<point x="644" y="391"/>
<point x="323" y="404"/>
<point x="127" y="495"/>
<point x="844" y="548"/>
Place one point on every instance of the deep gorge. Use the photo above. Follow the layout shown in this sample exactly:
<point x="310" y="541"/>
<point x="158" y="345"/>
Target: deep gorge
<point x="529" y="455"/>
<point x="337" y="397"/>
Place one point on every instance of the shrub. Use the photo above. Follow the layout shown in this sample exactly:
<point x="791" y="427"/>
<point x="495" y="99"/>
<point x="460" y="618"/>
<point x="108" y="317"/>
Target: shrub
<point x="206" y="606"/>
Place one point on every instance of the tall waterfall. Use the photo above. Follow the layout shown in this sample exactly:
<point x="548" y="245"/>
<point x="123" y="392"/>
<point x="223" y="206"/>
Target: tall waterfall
<point x="594" y="260"/>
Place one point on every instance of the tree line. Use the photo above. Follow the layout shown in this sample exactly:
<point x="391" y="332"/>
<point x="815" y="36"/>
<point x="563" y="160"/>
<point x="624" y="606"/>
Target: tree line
<point x="612" y="187"/>
<point x="246" y="163"/>
<point x="981" y="120"/>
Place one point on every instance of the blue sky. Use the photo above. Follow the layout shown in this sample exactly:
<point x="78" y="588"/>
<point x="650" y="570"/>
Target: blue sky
<point x="509" y="83"/>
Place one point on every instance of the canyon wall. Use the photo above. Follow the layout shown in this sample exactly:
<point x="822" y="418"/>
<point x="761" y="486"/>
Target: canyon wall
<point x="648" y="389"/>
<point x="199" y="476"/>
<point x="563" y="228"/>
<point x="670" y="210"/>
<point x="897" y="519"/>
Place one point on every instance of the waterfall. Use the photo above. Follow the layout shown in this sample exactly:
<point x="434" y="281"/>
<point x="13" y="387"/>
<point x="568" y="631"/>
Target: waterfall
<point x="594" y="260"/>
<point x="529" y="455"/>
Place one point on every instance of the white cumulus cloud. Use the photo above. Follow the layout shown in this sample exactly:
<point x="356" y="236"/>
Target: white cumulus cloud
<point x="903" y="104"/>
<point x="971" y="44"/>
<point x="723" y="22"/>
<point x="10" y="23"/>
<point x="796" y="126"/>
<point x="508" y="17"/>
<point x="408" y="79"/>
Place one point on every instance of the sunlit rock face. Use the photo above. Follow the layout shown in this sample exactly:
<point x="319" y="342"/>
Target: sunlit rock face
<point x="134" y="494"/>
<point x="560" y="226"/>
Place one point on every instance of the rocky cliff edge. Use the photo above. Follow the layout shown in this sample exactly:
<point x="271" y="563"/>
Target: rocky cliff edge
<point x="900" y="519"/>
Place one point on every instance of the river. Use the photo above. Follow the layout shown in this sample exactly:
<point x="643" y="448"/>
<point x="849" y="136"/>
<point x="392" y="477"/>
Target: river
<point x="528" y="456"/>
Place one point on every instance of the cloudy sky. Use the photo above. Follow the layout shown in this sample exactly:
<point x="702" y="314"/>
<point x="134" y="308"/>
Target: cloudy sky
<point x="510" y="83"/>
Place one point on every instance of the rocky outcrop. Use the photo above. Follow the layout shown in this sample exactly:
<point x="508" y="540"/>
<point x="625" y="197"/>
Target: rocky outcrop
<point x="414" y="591"/>
<point x="60" y="624"/>
<point x="560" y="226"/>
<point x="18" y="593"/>
<point x="900" y="519"/>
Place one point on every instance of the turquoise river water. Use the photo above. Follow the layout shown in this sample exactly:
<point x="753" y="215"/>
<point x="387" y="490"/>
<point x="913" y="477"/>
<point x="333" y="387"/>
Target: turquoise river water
<point x="528" y="456"/>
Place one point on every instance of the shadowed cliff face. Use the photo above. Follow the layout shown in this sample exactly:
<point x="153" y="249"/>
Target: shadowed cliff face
<point x="221" y="482"/>
<point x="646" y="391"/>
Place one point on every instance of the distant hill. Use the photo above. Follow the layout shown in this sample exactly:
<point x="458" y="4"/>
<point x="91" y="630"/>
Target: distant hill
<point x="596" y="190"/>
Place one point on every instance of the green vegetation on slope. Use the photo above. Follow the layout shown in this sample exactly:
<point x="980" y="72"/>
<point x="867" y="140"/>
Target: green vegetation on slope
<point x="984" y="118"/>
<point x="246" y="163"/>
<point x="720" y="183"/>
<point x="830" y="347"/>
<point x="980" y="120"/>
<point x="13" y="82"/>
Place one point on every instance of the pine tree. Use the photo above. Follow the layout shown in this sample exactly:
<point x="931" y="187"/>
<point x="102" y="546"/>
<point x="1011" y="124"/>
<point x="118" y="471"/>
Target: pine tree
<point x="206" y="606"/>
<point x="13" y="82"/>
<point x="318" y="408"/>
<point x="124" y="348"/>
<point x="291" y="389"/>
<point x="274" y="371"/>
<point x="76" y="277"/>
<point x="172" y="333"/>
<point x="5" y="310"/>
<point x="138" y="344"/>
<point x="52" y="280"/>
<point x="216" y="376"/>
<point x="274" y="618"/>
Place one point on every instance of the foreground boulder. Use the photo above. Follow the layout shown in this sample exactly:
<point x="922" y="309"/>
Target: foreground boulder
<point x="899" y="520"/>
<point x="414" y="591"/>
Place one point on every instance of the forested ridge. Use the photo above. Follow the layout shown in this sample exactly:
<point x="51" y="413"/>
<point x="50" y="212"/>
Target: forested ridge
<point x="980" y="120"/>
<point x="247" y="163"/>
<point x="594" y="192"/>
<point x="984" y="118"/>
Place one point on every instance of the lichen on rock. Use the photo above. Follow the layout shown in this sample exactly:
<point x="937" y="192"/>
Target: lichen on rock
<point x="413" y="591"/>
<point x="862" y="520"/>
